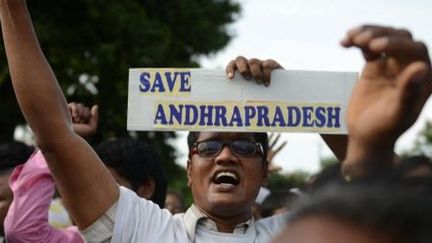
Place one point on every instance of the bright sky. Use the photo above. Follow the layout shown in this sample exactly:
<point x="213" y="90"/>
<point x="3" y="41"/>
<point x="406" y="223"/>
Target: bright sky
<point x="305" y="34"/>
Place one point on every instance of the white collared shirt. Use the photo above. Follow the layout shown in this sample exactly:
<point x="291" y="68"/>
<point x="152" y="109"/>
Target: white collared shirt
<point x="139" y="220"/>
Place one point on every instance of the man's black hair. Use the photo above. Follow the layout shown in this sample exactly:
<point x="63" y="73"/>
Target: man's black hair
<point x="137" y="162"/>
<point x="329" y="175"/>
<point x="260" y="137"/>
<point x="413" y="162"/>
<point x="276" y="200"/>
<point x="396" y="211"/>
<point x="13" y="153"/>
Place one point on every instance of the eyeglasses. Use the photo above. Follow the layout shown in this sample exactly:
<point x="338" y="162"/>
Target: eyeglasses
<point x="240" y="148"/>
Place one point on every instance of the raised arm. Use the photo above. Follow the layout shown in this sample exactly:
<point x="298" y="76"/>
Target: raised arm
<point x="86" y="186"/>
<point x="388" y="97"/>
<point x="337" y="143"/>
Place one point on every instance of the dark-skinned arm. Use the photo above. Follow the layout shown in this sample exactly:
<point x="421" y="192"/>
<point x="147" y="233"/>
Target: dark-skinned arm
<point x="86" y="186"/>
<point x="387" y="98"/>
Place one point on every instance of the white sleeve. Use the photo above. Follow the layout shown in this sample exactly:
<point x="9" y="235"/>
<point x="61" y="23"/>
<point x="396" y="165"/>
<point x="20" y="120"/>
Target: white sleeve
<point x="272" y="225"/>
<point x="102" y="229"/>
<point x="140" y="220"/>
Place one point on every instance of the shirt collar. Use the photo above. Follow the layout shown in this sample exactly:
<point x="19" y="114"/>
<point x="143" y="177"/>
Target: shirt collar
<point x="194" y="217"/>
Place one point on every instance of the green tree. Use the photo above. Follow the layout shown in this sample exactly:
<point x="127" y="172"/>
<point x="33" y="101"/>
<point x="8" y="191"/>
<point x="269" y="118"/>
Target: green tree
<point x="91" y="44"/>
<point x="423" y="142"/>
<point x="283" y="181"/>
<point x="328" y="161"/>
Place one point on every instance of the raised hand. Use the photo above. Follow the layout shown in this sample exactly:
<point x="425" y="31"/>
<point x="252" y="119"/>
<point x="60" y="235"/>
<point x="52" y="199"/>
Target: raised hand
<point x="85" y="120"/>
<point x="391" y="91"/>
<point x="259" y="70"/>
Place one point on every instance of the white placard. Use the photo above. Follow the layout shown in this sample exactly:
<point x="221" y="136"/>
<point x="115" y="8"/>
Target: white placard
<point x="206" y="100"/>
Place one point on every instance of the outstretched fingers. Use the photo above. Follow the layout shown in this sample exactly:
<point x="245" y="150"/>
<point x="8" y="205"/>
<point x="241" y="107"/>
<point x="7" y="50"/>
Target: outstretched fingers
<point x="402" y="48"/>
<point x="369" y="37"/>
<point x="361" y="35"/>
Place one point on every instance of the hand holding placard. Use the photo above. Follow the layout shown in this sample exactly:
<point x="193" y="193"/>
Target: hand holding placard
<point x="255" y="69"/>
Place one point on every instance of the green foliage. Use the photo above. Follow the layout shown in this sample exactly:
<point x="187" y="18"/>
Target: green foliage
<point x="328" y="161"/>
<point x="279" y="181"/>
<point x="91" y="44"/>
<point x="423" y="143"/>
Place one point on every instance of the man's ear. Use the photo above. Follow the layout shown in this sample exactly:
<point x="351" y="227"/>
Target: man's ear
<point x="188" y="169"/>
<point x="147" y="189"/>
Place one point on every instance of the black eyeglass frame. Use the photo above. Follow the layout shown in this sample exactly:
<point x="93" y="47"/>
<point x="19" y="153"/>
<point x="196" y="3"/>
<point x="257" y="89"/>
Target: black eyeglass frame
<point x="259" y="148"/>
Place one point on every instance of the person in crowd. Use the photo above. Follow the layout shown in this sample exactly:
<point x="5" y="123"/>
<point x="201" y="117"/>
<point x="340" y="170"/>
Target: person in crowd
<point x="416" y="171"/>
<point x="418" y="166"/>
<point x="11" y="154"/>
<point x="133" y="164"/>
<point x="225" y="170"/>
<point x="327" y="176"/>
<point x="136" y="165"/>
<point x="174" y="202"/>
<point x="224" y="182"/>
<point x="264" y="192"/>
<point x="360" y="213"/>
<point x="278" y="202"/>
<point x="388" y="96"/>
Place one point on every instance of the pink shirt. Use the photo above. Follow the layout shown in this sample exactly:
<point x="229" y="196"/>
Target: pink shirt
<point x="27" y="218"/>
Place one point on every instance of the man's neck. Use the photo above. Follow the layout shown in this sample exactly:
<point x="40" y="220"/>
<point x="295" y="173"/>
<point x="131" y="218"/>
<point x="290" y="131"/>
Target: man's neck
<point x="226" y="223"/>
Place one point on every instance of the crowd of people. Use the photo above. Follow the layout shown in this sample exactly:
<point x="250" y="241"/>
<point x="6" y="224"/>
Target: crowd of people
<point x="117" y="191"/>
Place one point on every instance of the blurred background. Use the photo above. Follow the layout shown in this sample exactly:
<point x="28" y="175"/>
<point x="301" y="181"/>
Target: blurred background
<point x="91" y="44"/>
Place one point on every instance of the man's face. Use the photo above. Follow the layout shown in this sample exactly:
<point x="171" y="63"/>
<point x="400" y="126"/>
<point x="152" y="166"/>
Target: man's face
<point x="226" y="184"/>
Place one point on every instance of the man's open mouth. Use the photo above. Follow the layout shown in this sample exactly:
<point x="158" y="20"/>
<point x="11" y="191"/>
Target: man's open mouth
<point x="226" y="177"/>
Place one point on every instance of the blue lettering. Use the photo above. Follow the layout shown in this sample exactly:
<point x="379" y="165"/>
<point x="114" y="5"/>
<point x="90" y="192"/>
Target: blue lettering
<point x="263" y="116"/>
<point x="160" y="115"/>
<point x="236" y="117"/>
<point x="249" y="114"/>
<point x="333" y="117"/>
<point x="185" y="82"/>
<point x="278" y="118"/>
<point x="294" y="116"/>
<point x="170" y="80"/>
<point x="175" y="113"/>
<point x="158" y="83"/>
<point x="307" y="116"/>
<point x="191" y="116"/>
<point x="204" y="115"/>
<point x="220" y="116"/>
<point x="320" y="116"/>
<point x="144" y="85"/>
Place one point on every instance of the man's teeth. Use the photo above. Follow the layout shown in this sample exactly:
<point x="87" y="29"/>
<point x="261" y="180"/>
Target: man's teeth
<point x="230" y="174"/>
